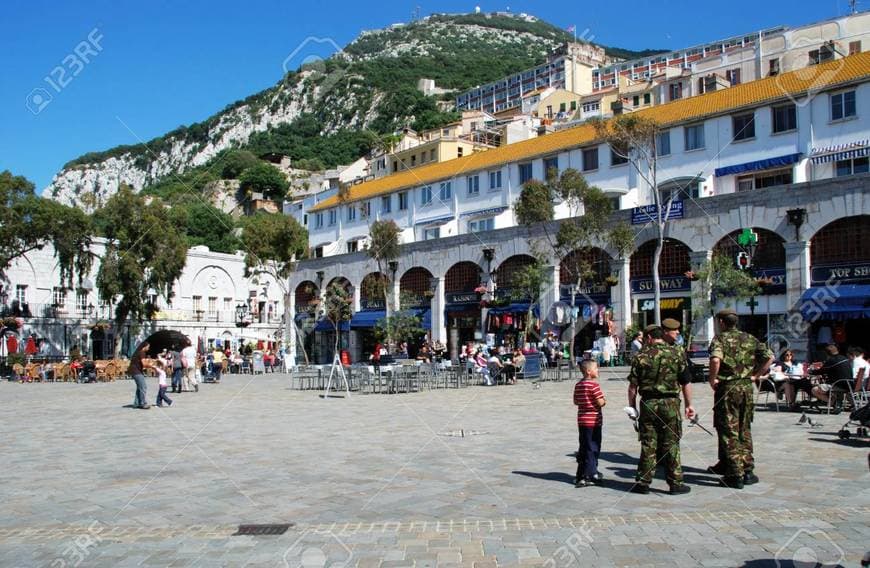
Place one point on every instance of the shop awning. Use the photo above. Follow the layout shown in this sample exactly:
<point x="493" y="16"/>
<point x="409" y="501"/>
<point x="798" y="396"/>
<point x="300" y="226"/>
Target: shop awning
<point x="435" y="220"/>
<point x="514" y="308"/>
<point x="470" y="307"/>
<point x="837" y="152"/>
<point x="367" y="319"/>
<point x="485" y="212"/>
<point x="325" y="325"/>
<point x="759" y="165"/>
<point x="425" y="315"/>
<point x="845" y="301"/>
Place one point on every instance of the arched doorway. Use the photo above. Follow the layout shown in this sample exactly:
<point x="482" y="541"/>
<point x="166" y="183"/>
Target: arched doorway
<point x="462" y="305"/>
<point x="837" y="306"/>
<point x="306" y="299"/>
<point x="372" y="293"/>
<point x="674" y="286"/>
<point x="415" y="288"/>
<point x="508" y="320"/>
<point x="324" y="336"/>
<point x="589" y="267"/>
<point x="765" y="315"/>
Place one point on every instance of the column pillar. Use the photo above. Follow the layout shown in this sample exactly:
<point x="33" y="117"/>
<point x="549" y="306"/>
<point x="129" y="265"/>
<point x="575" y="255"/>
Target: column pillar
<point x="620" y="295"/>
<point x="702" y="328"/>
<point x="439" y="303"/>
<point x="550" y="294"/>
<point x="395" y="297"/>
<point x="797" y="280"/>
<point x="291" y="327"/>
<point x="356" y="299"/>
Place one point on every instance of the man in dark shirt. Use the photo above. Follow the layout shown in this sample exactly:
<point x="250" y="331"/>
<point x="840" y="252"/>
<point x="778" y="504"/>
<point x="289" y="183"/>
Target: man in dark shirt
<point x="836" y="368"/>
<point x="137" y="371"/>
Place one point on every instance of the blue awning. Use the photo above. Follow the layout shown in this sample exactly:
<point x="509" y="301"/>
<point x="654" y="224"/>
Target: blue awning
<point x="845" y="301"/>
<point x="425" y="315"/>
<point x="514" y="308"/>
<point x="435" y="220"/>
<point x="469" y="307"/>
<point x="366" y="319"/>
<point x="485" y="212"/>
<point x="838" y="152"/>
<point x="758" y="165"/>
<point x="325" y="325"/>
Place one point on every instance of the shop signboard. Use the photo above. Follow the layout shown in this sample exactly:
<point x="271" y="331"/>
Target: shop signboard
<point x="666" y="284"/>
<point x="649" y="213"/>
<point x="851" y="273"/>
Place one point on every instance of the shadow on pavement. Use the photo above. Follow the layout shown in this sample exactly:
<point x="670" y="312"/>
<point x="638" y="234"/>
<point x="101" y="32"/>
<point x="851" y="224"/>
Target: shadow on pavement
<point x="851" y="442"/>
<point x="551" y="476"/>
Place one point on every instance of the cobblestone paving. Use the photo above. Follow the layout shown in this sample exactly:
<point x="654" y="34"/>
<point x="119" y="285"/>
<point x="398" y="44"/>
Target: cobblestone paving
<point x="388" y="480"/>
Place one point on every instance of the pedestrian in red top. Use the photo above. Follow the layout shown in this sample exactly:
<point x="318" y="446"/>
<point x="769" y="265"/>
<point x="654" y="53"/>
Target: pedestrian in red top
<point x="589" y="400"/>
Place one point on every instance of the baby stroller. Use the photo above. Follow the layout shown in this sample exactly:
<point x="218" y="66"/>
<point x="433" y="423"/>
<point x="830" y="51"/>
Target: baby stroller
<point x="859" y="417"/>
<point x="208" y="371"/>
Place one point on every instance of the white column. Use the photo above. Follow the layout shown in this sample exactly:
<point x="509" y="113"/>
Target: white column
<point x="702" y="330"/>
<point x="439" y="322"/>
<point x="291" y="325"/>
<point x="797" y="280"/>
<point x="620" y="295"/>
<point x="356" y="299"/>
<point x="395" y="297"/>
<point x="550" y="294"/>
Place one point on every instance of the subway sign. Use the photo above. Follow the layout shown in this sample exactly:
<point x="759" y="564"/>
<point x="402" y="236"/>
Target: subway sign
<point x="666" y="284"/>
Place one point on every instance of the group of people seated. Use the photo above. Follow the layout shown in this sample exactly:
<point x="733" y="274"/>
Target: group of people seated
<point x="829" y="381"/>
<point x="492" y="365"/>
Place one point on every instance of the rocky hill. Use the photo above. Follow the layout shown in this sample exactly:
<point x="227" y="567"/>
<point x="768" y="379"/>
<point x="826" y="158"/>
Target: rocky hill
<point x="318" y="111"/>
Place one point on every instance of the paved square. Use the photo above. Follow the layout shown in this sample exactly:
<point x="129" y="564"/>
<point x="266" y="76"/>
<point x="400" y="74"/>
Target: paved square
<point x="388" y="480"/>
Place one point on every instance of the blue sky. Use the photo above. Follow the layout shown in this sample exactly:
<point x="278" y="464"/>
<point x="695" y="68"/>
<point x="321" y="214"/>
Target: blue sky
<point x="163" y="63"/>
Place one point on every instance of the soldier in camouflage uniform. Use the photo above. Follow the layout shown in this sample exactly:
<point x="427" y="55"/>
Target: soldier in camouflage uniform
<point x="737" y="359"/>
<point x="658" y="375"/>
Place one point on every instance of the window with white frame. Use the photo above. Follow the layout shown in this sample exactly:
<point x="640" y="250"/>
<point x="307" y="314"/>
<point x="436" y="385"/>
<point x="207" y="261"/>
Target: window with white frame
<point x="318" y="220"/>
<point x="58" y="297"/>
<point x="425" y="195"/>
<point x="473" y="185"/>
<point x="212" y="305"/>
<point x="592" y="106"/>
<point x="843" y="105"/>
<point x="386" y="203"/>
<point x="445" y="191"/>
<point x="852" y="166"/>
<point x="784" y="118"/>
<point x="495" y="180"/>
<point x="694" y="135"/>
<point x="733" y="76"/>
<point x="333" y="217"/>
<point x="480" y="225"/>
<point x="82" y="301"/>
<point x="676" y="91"/>
<point x="352" y="246"/>
<point x="197" y="303"/>
<point x="403" y="201"/>
<point x="228" y="305"/>
<point x="21" y="294"/>
<point x="431" y="233"/>
<point x="761" y="180"/>
<point x="318" y="252"/>
<point x="663" y="143"/>
<point x="744" y="126"/>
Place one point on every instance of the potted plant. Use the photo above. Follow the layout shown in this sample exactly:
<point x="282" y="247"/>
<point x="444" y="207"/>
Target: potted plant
<point x="611" y="280"/>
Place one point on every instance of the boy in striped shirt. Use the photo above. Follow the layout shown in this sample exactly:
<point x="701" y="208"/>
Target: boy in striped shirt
<point x="589" y="400"/>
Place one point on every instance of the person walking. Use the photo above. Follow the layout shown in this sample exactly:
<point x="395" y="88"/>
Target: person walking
<point x="658" y="375"/>
<point x="737" y="360"/>
<point x="188" y="362"/>
<point x="177" y="370"/>
<point x="137" y="371"/>
<point x="161" y="366"/>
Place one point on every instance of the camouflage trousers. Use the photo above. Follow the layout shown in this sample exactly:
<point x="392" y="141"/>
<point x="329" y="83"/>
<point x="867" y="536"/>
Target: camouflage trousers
<point x="732" y="416"/>
<point x="661" y="428"/>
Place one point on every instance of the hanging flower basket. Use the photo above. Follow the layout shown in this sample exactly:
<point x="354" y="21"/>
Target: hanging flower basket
<point x="691" y="276"/>
<point x="611" y="281"/>
<point x="767" y="281"/>
<point x="429" y="294"/>
<point x="481" y="289"/>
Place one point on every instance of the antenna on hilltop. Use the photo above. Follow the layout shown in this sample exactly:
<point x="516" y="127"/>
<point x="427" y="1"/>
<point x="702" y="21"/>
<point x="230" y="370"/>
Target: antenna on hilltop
<point x="415" y="15"/>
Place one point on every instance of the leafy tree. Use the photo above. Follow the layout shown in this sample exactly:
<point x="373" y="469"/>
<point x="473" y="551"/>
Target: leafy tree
<point x="206" y="225"/>
<point x="266" y="179"/>
<point x="588" y="225"/>
<point x="529" y="281"/>
<point x="633" y="138"/>
<point x="399" y="327"/>
<point x="383" y="247"/>
<point x="273" y="243"/>
<point x="719" y="281"/>
<point x="29" y="222"/>
<point x="144" y="251"/>
<point x="337" y="309"/>
<point x="234" y="162"/>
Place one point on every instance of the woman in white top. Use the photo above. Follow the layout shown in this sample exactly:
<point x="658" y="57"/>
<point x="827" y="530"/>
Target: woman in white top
<point x="860" y="368"/>
<point x="795" y="379"/>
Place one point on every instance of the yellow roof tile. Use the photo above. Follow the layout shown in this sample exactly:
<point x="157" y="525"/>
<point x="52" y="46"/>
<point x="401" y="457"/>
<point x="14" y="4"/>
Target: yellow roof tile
<point x="793" y="84"/>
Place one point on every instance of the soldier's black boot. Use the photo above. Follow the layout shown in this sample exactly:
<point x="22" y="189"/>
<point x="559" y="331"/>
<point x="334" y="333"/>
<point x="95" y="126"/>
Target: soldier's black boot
<point x="640" y="488"/>
<point x="732" y="482"/>
<point x="680" y="488"/>
<point x="750" y="478"/>
<point x="718" y="469"/>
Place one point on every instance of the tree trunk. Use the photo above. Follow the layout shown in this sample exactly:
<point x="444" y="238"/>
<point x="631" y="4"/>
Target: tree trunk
<point x="573" y="326"/>
<point x="657" y="293"/>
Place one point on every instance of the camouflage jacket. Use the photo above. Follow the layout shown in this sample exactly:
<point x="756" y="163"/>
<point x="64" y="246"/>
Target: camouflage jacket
<point x="657" y="368"/>
<point x="739" y="353"/>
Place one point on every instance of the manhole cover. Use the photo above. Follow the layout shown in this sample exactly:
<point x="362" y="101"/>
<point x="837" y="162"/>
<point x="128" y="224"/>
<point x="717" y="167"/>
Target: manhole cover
<point x="462" y="433"/>
<point x="262" y="530"/>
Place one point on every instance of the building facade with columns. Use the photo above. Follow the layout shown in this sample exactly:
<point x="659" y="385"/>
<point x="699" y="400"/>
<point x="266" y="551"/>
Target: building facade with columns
<point x="776" y="131"/>
<point x="813" y="252"/>
<point x="212" y="296"/>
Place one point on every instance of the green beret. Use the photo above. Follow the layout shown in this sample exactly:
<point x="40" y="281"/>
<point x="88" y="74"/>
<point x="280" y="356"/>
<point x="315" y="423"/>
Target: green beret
<point x="650" y="327"/>
<point x="670" y="324"/>
<point x="725" y="313"/>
